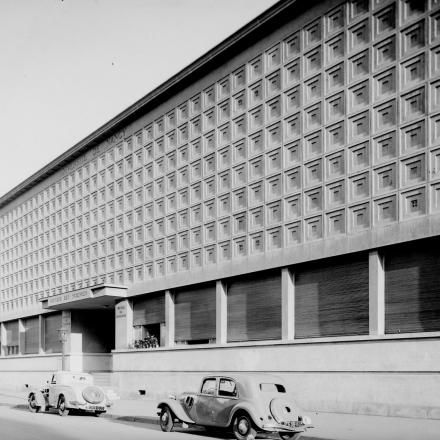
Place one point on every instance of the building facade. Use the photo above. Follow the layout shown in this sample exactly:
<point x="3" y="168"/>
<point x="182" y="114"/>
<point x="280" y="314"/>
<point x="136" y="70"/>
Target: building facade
<point x="275" y="206"/>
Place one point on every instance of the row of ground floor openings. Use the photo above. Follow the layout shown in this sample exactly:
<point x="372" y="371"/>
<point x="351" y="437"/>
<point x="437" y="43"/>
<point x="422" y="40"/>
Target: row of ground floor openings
<point x="383" y="291"/>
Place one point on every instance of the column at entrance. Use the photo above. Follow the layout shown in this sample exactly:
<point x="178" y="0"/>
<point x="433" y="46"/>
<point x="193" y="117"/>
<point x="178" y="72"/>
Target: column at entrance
<point x="123" y="324"/>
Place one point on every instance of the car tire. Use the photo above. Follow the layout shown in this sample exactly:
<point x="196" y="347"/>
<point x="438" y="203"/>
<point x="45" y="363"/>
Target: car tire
<point x="290" y="436"/>
<point x="32" y="404"/>
<point x="166" y="419"/>
<point x="243" y="427"/>
<point x="63" y="411"/>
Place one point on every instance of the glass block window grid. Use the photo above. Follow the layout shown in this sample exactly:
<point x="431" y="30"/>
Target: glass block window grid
<point x="331" y="130"/>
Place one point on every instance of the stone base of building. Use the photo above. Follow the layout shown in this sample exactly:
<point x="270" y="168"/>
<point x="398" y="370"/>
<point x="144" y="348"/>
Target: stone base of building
<point x="388" y="376"/>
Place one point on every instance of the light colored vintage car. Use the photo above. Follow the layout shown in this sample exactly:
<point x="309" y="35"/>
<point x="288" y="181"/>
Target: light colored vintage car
<point x="247" y="404"/>
<point x="66" y="391"/>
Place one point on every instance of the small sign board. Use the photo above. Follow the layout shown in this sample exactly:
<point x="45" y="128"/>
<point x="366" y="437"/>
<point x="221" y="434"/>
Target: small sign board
<point x="75" y="295"/>
<point x="121" y="310"/>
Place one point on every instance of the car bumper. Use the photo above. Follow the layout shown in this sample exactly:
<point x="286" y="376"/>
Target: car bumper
<point x="275" y="427"/>
<point x="89" y="407"/>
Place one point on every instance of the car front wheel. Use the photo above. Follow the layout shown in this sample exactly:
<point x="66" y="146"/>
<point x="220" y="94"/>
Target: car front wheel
<point x="32" y="403"/>
<point x="62" y="410"/>
<point x="243" y="428"/>
<point x="166" y="419"/>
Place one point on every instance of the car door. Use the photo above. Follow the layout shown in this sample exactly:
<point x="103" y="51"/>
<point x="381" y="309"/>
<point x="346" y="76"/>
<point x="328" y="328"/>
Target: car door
<point x="52" y="391"/>
<point x="224" y="401"/>
<point x="204" y="401"/>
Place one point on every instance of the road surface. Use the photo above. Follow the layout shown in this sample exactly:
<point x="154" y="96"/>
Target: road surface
<point x="17" y="423"/>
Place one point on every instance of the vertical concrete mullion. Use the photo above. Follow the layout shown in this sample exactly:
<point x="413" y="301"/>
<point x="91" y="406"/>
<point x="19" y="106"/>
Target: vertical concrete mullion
<point x="3" y="339"/>
<point x="41" y="335"/>
<point x="169" y="319"/>
<point x="221" y="313"/>
<point x="376" y="294"/>
<point x="21" y="337"/>
<point x="287" y="304"/>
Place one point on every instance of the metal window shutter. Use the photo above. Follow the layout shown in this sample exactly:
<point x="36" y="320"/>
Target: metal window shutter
<point x="254" y="307"/>
<point x="195" y="314"/>
<point x="52" y="343"/>
<point x="11" y="329"/>
<point x="412" y="288"/>
<point x="149" y="310"/>
<point x="331" y="297"/>
<point x="31" y="335"/>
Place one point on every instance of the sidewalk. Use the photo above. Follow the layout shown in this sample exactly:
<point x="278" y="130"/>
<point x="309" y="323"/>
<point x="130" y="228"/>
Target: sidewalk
<point x="328" y="426"/>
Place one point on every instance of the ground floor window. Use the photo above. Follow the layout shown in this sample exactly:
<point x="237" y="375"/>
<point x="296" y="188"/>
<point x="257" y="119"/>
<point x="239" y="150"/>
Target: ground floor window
<point x="254" y="307"/>
<point x="195" y="315"/>
<point x="148" y="321"/>
<point x="52" y="343"/>
<point x="31" y="328"/>
<point x="11" y="329"/>
<point x="412" y="287"/>
<point x="332" y="298"/>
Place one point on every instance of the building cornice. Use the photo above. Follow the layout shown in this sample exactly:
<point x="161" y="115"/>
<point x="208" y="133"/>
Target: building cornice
<point x="269" y="19"/>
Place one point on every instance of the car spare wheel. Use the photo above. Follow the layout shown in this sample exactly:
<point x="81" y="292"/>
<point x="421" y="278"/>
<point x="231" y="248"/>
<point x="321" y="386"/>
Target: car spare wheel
<point x="282" y="410"/>
<point x="93" y="395"/>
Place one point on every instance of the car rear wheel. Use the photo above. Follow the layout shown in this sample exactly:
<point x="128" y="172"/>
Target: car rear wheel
<point x="62" y="410"/>
<point x="166" y="419"/>
<point x="32" y="403"/>
<point x="290" y="436"/>
<point x="243" y="427"/>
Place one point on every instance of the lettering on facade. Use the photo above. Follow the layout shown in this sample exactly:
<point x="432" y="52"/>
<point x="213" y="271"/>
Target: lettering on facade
<point x="69" y="297"/>
<point x="121" y="310"/>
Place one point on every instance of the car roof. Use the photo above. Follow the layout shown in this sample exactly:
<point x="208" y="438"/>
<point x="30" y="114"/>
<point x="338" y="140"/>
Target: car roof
<point x="249" y="378"/>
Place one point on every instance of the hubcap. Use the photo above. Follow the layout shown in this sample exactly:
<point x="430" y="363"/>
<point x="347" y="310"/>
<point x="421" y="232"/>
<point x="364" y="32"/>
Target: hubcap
<point x="32" y="402"/>
<point x="165" y="418"/>
<point x="243" y="426"/>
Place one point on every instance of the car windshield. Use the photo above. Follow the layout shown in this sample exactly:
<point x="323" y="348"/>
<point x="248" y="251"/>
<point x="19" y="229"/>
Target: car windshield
<point x="272" y="388"/>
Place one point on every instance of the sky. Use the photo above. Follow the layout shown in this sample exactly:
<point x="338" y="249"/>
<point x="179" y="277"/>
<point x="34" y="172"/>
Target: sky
<point x="69" y="66"/>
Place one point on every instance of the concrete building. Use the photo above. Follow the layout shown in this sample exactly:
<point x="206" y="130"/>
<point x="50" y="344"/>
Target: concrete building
<point x="275" y="206"/>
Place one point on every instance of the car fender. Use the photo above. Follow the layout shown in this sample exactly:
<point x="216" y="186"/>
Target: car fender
<point x="39" y="397"/>
<point x="246" y="407"/>
<point x="176" y="408"/>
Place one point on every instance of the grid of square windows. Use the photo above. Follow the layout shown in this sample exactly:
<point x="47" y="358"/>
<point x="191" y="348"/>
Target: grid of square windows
<point x="332" y="130"/>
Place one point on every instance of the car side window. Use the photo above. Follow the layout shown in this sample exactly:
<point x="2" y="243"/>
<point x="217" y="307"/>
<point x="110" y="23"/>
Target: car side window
<point x="227" y="388"/>
<point x="208" y="386"/>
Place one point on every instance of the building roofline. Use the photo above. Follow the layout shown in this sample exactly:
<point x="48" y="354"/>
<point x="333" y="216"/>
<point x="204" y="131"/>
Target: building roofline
<point x="270" y="17"/>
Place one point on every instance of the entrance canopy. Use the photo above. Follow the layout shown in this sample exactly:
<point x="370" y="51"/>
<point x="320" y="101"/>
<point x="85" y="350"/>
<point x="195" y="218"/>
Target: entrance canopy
<point x="94" y="297"/>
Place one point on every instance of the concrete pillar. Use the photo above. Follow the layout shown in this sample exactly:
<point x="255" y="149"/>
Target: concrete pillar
<point x="169" y="319"/>
<point x="21" y="337"/>
<point x="287" y="304"/>
<point x="3" y="339"/>
<point x="123" y="324"/>
<point x="41" y="334"/>
<point x="376" y="293"/>
<point x="221" y="313"/>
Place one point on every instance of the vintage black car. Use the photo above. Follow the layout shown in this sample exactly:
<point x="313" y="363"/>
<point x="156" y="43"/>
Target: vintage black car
<point x="246" y="404"/>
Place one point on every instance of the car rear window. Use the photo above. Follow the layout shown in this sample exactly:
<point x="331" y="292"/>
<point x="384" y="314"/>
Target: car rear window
<point x="272" y="388"/>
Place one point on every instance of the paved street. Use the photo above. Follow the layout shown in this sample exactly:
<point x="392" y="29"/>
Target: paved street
<point x="16" y="423"/>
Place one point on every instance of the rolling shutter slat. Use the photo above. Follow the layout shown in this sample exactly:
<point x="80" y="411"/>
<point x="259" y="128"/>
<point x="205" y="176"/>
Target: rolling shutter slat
<point x="11" y="329"/>
<point x="331" y="298"/>
<point x="52" y="343"/>
<point x="149" y="310"/>
<point x="412" y="288"/>
<point x="31" y="335"/>
<point x="195" y="314"/>
<point x="254" y="307"/>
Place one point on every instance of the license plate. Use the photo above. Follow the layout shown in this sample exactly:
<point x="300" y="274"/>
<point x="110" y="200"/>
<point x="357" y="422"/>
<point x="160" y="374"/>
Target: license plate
<point x="95" y="408"/>
<point x="295" y="424"/>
